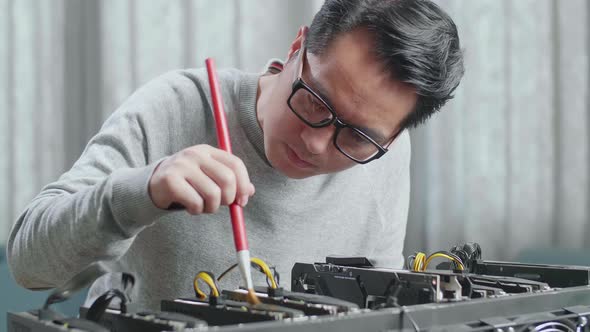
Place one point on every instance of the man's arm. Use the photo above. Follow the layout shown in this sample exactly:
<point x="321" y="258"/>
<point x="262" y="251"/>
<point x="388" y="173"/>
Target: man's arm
<point x="94" y="211"/>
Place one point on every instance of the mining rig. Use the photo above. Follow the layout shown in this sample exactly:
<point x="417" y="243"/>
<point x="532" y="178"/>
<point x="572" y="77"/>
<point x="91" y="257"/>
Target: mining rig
<point x="462" y="293"/>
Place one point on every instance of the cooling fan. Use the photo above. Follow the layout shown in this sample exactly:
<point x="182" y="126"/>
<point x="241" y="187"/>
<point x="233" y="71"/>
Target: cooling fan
<point x="548" y="322"/>
<point x="553" y="326"/>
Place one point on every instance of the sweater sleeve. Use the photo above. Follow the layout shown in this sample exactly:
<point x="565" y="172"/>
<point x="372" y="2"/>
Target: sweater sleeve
<point x="96" y="209"/>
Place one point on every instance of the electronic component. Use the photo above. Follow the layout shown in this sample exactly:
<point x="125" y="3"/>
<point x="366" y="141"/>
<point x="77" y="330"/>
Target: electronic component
<point x="309" y="304"/>
<point x="377" y="287"/>
<point x="464" y="293"/>
<point x="145" y="321"/>
<point x="366" y="287"/>
<point x="226" y="312"/>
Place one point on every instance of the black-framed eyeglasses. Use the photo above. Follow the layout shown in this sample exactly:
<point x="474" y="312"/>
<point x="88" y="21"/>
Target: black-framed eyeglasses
<point x="314" y="111"/>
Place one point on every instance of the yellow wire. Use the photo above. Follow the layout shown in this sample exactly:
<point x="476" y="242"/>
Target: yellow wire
<point x="262" y="265"/>
<point x="209" y="280"/>
<point x="431" y="257"/>
<point x="421" y="262"/>
<point x="265" y="270"/>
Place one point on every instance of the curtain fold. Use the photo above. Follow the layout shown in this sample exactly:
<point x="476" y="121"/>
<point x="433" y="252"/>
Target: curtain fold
<point x="506" y="163"/>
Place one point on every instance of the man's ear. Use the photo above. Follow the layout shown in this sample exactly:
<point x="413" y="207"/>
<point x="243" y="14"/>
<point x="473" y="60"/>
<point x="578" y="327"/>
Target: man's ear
<point x="297" y="43"/>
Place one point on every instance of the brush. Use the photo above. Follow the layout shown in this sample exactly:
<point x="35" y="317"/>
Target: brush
<point x="236" y="212"/>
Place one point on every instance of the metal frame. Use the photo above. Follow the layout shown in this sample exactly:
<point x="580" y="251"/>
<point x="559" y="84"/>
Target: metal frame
<point x="428" y="316"/>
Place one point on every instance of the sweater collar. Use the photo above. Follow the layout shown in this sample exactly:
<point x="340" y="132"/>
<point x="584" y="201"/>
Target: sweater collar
<point x="247" y="114"/>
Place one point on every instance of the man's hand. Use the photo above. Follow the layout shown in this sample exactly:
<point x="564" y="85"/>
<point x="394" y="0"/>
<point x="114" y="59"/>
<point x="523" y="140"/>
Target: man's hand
<point x="200" y="178"/>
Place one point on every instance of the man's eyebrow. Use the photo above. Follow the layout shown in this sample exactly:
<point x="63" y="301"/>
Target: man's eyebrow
<point x="319" y="88"/>
<point x="374" y="134"/>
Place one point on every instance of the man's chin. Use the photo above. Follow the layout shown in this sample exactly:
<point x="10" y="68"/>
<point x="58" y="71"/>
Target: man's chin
<point x="284" y="167"/>
<point x="295" y="173"/>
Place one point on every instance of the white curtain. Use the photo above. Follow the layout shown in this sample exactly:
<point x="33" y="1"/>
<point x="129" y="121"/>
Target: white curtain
<point x="505" y="164"/>
<point x="65" y="65"/>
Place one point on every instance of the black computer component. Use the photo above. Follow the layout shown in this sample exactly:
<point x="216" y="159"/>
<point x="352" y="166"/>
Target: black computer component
<point x="227" y="312"/>
<point x="145" y="321"/>
<point x="466" y="293"/>
<point x="309" y="304"/>
<point x="366" y="287"/>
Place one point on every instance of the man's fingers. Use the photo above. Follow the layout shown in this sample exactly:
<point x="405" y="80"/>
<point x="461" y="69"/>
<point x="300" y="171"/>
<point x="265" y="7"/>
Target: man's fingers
<point x="200" y="178"/>
<point x="207" y="188"/>
<point x="244" y="188"/>
<point x="224" y="177"/>
<point x="183" y="193"/>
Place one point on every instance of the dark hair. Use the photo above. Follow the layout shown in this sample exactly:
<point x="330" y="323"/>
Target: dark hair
<point x="415" y="40"/>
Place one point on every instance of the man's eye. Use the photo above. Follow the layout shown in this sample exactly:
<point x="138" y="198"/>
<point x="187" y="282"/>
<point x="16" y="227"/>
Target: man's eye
<point x="353" y="139"/>
<point x="317" y="105"/>
<point x="359" y="139"/>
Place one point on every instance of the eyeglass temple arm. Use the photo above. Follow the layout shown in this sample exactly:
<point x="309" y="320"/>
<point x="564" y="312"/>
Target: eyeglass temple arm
<point x="300" y="59"/>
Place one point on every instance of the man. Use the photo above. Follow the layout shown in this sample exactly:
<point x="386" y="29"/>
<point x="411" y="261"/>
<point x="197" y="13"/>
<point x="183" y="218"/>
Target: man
<point x="363" y="73"/>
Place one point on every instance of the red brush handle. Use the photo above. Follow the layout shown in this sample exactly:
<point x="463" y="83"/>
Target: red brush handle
<point x="237" y="215"/>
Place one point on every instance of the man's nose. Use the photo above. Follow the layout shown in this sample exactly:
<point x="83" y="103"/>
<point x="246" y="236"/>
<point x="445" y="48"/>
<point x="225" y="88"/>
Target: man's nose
<point x="317" y="140"/>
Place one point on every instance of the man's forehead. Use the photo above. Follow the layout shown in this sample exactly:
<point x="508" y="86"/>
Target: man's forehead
<point x="347" y="108"/>
<point x="360" y="92"/>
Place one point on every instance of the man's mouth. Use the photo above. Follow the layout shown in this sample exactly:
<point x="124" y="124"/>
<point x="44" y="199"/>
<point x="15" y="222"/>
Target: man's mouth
<point x="296" y="160"/>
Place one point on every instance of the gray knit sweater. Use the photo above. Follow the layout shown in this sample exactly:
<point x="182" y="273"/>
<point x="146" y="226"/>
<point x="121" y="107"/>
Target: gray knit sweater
<point x="101" y="210"/>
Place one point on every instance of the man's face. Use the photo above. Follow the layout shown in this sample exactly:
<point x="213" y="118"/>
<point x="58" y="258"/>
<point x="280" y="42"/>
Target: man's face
<point x="360" y="91"/>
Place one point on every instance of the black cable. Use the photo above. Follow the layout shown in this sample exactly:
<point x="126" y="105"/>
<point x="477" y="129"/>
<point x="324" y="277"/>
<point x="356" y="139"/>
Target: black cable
<point x="128" y="281"/>
<point x="468" y="252"/>
<point x="257" y="267"/>
<point x="100" y="305"/>
<point x="79" y="281"/>
<point x="391" y="297"/>
<point x="276" y="276"/>
<point x="226" y="271"/>
<point x="76" y="283"/>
